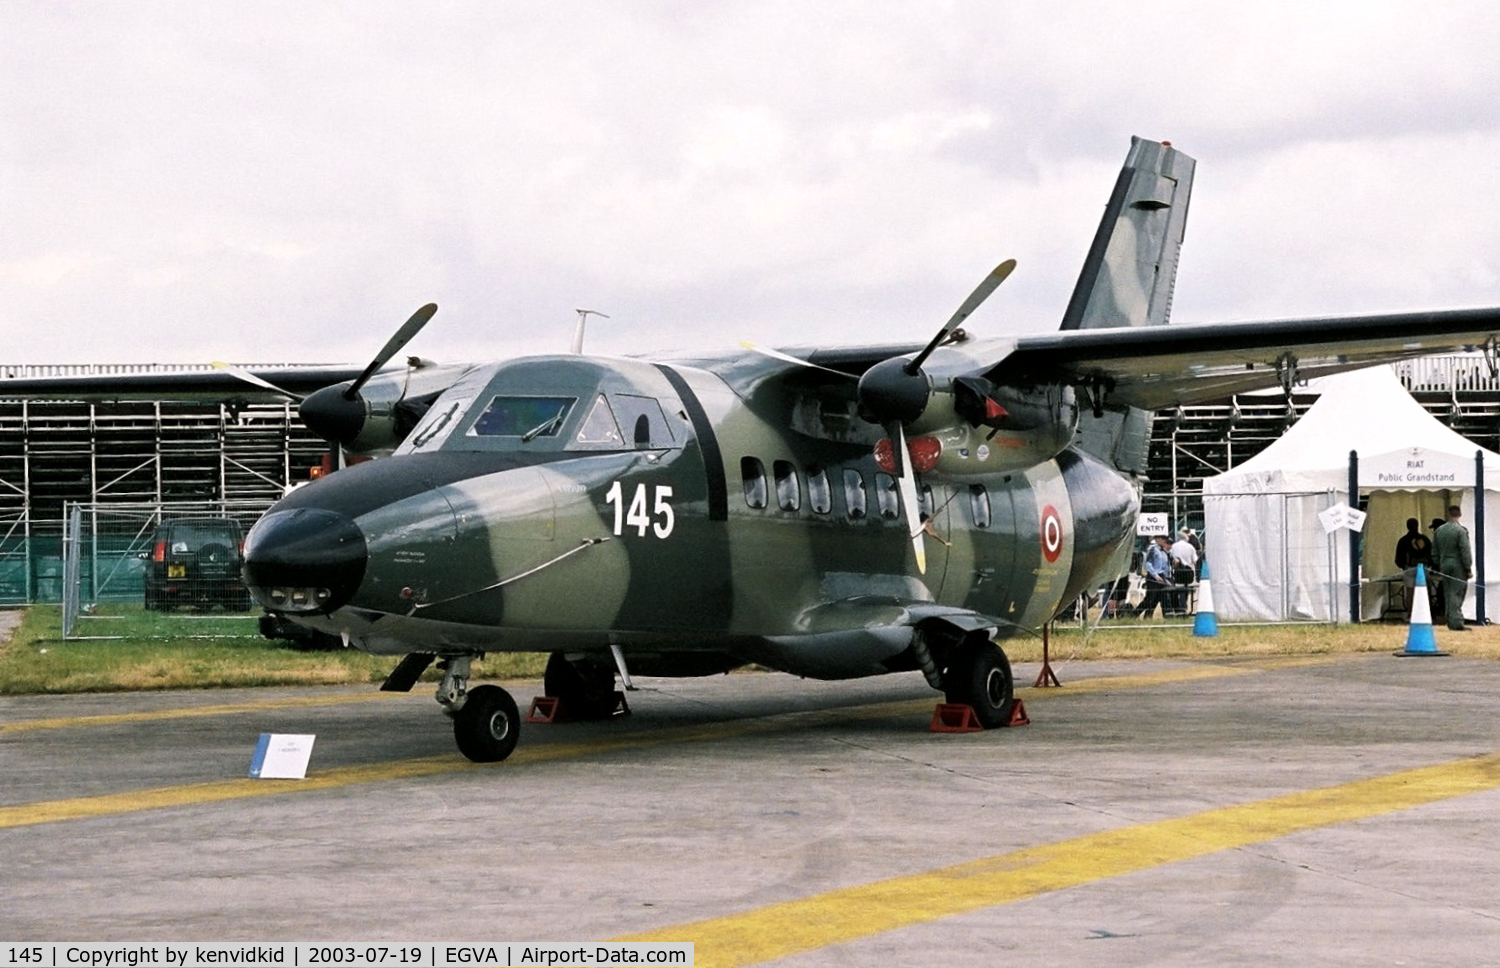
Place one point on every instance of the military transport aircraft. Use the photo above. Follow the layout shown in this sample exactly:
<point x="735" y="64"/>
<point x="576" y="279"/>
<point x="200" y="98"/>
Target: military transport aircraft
<point x="831" y="512"/>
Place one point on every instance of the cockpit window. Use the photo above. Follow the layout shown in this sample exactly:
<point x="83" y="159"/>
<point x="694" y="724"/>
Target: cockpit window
<point x="438" y="423"/>
<point x="643" y="421"/>
<point x="524" y="417"/>
<point x="599" y="427"/>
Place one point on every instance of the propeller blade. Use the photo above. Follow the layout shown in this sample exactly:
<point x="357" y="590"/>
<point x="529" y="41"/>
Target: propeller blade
<point x="393" y="346"/>
<point x="251" y="378"/>
<point x="979" y="295"/>
<point x="789" y="358"/>
<point x="909" y="504"/>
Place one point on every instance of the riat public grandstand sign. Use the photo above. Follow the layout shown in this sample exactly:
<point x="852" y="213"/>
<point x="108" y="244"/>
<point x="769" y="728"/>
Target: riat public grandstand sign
<point x="1417" y="468"/>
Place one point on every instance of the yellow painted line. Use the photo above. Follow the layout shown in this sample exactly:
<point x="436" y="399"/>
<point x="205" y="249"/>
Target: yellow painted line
<point x="190" y="712"/>
<point x="841" y="916"/>
<point x="134" y="801"/>
<point x="192" y="794"/>
<point x="1182" y="674"/>
<point x="1191" y="673"/>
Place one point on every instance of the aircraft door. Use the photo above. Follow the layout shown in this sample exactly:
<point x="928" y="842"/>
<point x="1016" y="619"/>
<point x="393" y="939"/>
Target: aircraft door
<point x="982" y="574"/>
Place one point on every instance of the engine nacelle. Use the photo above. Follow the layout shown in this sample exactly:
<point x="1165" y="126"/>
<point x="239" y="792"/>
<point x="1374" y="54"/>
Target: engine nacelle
<point x="972" y="427"/>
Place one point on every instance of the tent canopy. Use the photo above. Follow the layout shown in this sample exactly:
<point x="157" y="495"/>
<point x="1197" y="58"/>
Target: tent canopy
<point x="1370" y="412"/>
<point x="1272" y="559"/>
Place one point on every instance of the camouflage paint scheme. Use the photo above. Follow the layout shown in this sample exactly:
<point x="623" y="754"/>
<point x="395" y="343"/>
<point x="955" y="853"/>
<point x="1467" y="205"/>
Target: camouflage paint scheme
<point x="812" y="588"/>
<point x="733" y="509"/>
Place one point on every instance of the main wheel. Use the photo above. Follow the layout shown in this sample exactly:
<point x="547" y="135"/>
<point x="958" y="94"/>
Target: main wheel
<point x="586" y="687"/>
<point x="980" y="676"/>
<point x="488" y="726"/>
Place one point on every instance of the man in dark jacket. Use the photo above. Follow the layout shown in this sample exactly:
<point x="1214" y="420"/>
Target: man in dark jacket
<point x="1414" y="549"/>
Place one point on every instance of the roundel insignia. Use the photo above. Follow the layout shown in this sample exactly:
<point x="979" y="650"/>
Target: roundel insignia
<point x="1052" y="533"/>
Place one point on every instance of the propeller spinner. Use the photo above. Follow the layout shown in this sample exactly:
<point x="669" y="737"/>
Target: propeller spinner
<point x="338" y="414"/>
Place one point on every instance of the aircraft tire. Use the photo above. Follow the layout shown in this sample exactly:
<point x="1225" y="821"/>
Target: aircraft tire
<point x="980" y="676"/>
<point x="586" y="689"/>
<point x="488" y="726"/>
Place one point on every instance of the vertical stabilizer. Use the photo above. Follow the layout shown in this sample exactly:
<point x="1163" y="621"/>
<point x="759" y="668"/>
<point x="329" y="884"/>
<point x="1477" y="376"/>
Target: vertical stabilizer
<point x="1131" y="268"/>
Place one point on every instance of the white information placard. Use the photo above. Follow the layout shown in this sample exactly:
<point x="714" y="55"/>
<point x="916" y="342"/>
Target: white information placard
<point x="281" y="756"/>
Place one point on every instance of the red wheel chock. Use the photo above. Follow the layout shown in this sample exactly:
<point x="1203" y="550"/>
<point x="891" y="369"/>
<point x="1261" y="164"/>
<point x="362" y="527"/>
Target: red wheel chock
<point x="954" y="717"/>
<point x="549" y="709"/>
<point x="957" y="717"/>
<point x="545" y="709"/>
<point x="1018" y="715"/>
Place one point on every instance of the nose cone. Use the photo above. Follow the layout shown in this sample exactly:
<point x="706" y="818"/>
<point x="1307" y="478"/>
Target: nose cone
<point x="305" y="560"/>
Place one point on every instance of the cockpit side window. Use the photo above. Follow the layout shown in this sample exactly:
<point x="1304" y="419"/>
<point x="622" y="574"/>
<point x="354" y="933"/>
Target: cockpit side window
<point x="600" y="427"/>
<point x="643" y="421"/>
<point x="524" y="417"/>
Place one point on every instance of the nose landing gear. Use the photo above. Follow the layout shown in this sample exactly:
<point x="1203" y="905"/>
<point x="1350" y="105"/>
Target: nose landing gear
<point x="486" y="722"/>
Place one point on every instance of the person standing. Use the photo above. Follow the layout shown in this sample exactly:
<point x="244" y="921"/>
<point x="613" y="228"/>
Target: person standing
<point x="1455" y="563"/>
<point x="1414" y="549"/>
<point x="1158" y="568"/>
<point x="1184" y="570"/>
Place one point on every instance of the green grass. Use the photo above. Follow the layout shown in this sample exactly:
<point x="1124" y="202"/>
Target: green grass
<point x="37" y="660"/>
<point x="156" y="652"/>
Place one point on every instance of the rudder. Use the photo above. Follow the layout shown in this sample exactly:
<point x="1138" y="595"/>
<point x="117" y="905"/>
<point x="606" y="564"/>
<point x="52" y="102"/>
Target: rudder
<point x="1131" y="268"/>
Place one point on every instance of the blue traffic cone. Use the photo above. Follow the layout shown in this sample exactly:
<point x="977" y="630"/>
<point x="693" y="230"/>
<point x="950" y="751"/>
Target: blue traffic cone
<point x="1419" y="640"/>
<point x="1205" y="622"/>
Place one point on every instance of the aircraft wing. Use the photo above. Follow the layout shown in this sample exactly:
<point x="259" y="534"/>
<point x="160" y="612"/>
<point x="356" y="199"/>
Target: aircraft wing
<point x="1156" y="367"/>
<point x="194" y="385"/>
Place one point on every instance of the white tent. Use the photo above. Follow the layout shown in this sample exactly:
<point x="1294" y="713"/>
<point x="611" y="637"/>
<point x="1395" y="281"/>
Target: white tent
<point x="1270" y="555"/>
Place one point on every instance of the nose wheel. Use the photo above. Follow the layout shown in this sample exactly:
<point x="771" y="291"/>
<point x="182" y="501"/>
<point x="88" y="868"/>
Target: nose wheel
<point x="488" y="725"/>
<point x="486" y="722"/>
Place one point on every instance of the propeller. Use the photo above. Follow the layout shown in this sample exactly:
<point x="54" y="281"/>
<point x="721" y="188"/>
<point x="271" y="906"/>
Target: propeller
<point x="241" y="373"/>
<point x="338" y="414"/>
<point x="907" y="485"/>
<point x="404" y="335"/>
<point x="789" y="358"/>
<point x="894" y="393"/>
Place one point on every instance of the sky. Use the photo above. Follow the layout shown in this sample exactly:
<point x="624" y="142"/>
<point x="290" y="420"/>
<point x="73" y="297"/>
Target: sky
<point x="286" y="182"/>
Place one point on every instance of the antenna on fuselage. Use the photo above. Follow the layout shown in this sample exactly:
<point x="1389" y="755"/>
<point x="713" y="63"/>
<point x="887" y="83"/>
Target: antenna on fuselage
<point x="583" y="318"/>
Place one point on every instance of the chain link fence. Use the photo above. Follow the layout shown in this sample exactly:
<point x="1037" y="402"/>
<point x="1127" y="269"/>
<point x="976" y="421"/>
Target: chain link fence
<point x="156" y="570"/>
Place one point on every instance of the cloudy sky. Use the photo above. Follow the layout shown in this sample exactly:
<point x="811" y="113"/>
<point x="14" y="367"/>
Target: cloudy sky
<point x="281" y="182"/>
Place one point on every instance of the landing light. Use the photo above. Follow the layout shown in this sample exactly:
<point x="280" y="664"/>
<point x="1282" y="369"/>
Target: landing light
<point x="298" y="599"/>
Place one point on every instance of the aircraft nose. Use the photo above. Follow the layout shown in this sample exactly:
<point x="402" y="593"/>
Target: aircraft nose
<point x="305" y="560"/>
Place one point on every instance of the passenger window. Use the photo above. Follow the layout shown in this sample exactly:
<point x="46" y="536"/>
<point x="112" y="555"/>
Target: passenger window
<point x="979" y="504"/>
<point x="788" y="487"/>
<point x="600" y="427"/>
<point x="887" y="497"/>
<point x="643" y="421"/>
<point x="753" y="473"/>
<point x="819" y="494"/>
<point x="854" y="493"/>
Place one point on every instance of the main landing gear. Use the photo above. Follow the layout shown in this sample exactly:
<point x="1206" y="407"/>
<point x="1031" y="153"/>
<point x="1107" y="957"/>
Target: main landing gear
<point x="585" y="685"/>
<point x="978" y="675"/>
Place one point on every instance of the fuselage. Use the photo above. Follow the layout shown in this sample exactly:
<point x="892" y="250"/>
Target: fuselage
<point x="569" y="503"/>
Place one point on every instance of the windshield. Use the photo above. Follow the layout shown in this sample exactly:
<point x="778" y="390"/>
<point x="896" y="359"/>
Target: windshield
<point x="524" y="417"/>
<point x="547" y="404"/>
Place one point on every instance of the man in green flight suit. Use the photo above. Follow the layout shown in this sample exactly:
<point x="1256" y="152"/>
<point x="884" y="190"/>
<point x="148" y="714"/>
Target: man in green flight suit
<point x="1455" y="563"/>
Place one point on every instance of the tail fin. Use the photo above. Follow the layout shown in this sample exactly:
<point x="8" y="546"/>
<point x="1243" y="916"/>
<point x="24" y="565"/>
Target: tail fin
<point x="1131" y="268"/>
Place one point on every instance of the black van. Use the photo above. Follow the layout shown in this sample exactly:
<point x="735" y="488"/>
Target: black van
<point x="196" y="561"/>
